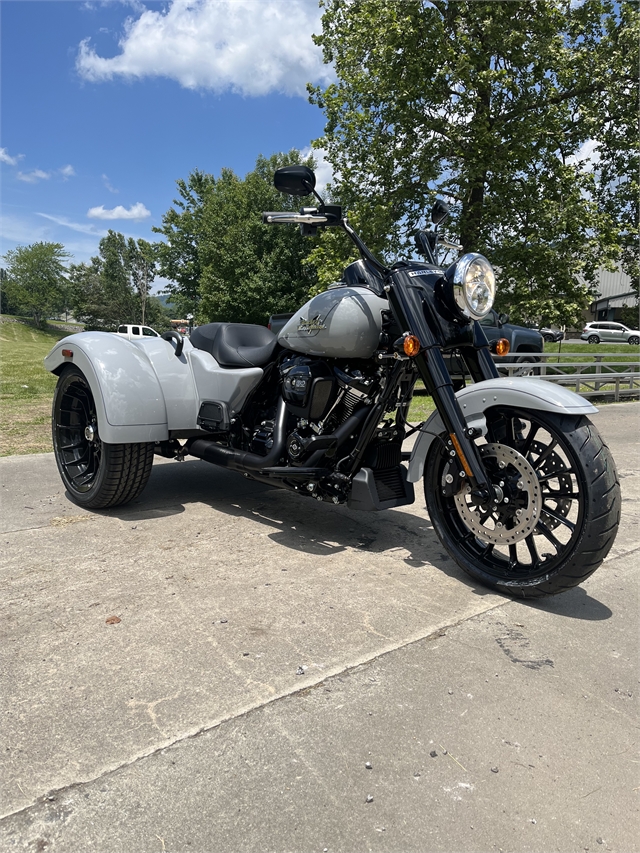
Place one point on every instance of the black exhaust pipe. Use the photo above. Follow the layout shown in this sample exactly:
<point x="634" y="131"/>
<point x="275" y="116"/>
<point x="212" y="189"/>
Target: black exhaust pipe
<point x="245" y="462"/>
<point x="242" y="460"/>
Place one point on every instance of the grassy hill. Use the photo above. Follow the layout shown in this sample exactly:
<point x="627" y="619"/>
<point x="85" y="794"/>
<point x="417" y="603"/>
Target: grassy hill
<point x="26" y="388"/>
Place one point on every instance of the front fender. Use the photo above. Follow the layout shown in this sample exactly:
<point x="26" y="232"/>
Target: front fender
<point x="522" y="393"/>
<point x="129" y="402"/>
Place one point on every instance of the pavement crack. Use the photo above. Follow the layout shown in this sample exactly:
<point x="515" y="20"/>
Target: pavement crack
<point x="301" y="685"/>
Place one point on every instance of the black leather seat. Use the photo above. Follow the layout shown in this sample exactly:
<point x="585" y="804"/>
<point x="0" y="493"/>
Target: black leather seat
<point x="235" y="344"/>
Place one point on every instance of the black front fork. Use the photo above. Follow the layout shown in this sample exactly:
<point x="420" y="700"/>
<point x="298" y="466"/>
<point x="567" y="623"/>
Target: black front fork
<point x="406" y="302"/>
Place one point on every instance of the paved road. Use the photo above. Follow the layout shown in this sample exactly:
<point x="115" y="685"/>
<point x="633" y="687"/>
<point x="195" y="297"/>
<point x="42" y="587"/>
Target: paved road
<point x="278" y="663"/>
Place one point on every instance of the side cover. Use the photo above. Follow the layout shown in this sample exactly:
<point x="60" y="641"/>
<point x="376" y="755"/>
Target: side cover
<point x="523" y="393"/>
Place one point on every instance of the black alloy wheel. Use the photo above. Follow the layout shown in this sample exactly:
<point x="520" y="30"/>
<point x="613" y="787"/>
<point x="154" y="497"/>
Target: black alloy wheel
<point x="554" y="511"/>
<point x="97" y="475"/>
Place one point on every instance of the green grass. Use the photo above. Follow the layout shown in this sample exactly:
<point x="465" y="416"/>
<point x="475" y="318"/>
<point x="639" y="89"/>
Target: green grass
<point x="583" y="353"/>
<point x="26" y="388"/>
<point x="589" y="350"/>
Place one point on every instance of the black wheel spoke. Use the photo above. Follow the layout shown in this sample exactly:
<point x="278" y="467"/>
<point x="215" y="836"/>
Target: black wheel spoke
<point x="526" y="447"/>
<point x="542" y="527"/>
<point x="574" y="496"/>
<point x="74" y="446"/>
<point x="554" y="475"/>
<point x="533" y="551"/>
<point x="545" y="455"/>
<point x="559" y="518"/>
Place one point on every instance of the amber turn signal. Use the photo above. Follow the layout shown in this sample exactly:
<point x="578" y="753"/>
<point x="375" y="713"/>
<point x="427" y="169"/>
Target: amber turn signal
<point x="502" y="346"/>
<point x="67" y="353"/>
<point x="411" y="345"/>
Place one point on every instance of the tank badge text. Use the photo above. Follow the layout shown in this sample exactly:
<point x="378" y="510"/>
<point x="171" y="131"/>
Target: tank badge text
<point x="314" y="325"/>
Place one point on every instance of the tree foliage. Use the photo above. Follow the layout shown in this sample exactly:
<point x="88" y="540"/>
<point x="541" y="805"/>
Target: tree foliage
<point x="183" y="230"/>
<point x="489" y="104"/>
<point x="613" y="115"/>
<point x="35" y="279"/>
<point x="223" y="262"/>
<point x="114" y="287"/>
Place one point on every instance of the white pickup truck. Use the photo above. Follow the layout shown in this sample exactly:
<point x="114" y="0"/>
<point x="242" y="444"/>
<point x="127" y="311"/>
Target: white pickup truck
<point x="134" y="332"/>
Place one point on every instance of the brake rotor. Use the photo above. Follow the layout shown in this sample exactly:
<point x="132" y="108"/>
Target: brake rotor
<point x="515" y="511"/>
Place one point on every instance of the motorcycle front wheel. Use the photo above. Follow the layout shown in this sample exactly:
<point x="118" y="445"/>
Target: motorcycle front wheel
<point x="554" y="511"/>
<point x="96" y="475"/>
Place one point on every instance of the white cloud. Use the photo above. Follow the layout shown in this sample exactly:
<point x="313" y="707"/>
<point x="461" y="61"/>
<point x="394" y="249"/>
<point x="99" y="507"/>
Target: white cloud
<point x="67" y="171"/>
<point x="251" y="47"/>
<point x="136" y="211"/>
<point x="107" y="184"/>
<point x="33" y="177"/>
<point x="75" y="226"/>
<point x="323" y="170"/>
<point x="588" y="154"/>
<point x="18" y="230"/>
<point x="6" y="158"/>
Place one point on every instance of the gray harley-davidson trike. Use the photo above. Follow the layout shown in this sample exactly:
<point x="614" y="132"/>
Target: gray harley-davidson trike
<point x="519" y="486"/>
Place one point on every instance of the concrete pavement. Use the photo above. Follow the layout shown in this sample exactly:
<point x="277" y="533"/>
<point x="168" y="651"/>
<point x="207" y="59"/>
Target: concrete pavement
<point x="269" y="647"/>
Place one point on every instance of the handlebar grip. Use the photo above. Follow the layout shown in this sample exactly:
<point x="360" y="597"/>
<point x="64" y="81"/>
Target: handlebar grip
<point x="273" y="217"/>
<point x="278" y="217"/>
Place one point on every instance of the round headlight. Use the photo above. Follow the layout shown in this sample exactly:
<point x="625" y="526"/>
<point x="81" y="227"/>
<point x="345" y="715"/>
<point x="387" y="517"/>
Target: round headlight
<point x="474" y="285"/>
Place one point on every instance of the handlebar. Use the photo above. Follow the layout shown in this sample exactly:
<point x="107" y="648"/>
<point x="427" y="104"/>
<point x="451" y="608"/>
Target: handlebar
<point x="277" y="217"/>
<point x="334" y="217"/>
<point x="449" y="245"/>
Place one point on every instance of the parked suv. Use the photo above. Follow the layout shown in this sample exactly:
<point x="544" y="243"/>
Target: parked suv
<point x="552" y="336"/>
<point x="594" y="333"/>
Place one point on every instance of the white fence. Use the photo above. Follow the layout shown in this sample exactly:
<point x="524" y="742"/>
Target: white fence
<point x="599" y="376"/>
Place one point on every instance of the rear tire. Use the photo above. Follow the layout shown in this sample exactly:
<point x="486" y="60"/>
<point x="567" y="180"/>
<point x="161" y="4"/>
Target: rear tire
<point x="96" y="475"/>
<point x="593" y="339"/>
<point x="559" y="499"/>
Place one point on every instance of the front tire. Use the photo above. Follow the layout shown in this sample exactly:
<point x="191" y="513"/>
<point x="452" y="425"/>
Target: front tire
<point x="634" y="340"/>
<point x="96" y="475"/>
<point x="556" y="507"/>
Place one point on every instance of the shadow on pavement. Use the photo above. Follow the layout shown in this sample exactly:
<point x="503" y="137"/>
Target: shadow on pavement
<point x="320" y="529"/>
<point x="311" y="527"/>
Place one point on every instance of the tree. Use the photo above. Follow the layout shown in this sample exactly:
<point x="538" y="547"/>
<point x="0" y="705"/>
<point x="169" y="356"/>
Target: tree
<point x="488" y="104"/>
<point x="223" y="262"/>
<point x="613" y="115"/>
<point x="35" y="279"/>
<point x="114" y="287"/>
<point x="141" y="264"/>
<point x="178" y="254"/>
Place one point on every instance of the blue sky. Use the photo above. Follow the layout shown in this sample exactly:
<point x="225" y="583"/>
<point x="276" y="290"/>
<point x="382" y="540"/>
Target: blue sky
<point x="106" y="104"/>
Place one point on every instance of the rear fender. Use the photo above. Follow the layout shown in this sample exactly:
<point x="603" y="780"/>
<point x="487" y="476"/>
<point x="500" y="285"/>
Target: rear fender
<point x="524" y="393"/>
<point x="129" y="402"/>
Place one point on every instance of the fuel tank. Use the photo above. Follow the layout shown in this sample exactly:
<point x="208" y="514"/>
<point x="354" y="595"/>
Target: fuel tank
<point x="343" y="322"/>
